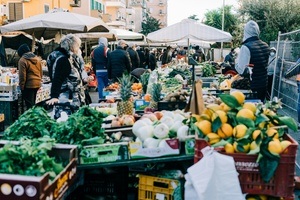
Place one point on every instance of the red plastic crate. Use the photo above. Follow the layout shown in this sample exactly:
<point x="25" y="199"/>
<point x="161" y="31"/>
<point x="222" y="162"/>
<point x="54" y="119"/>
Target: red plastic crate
<point x="281" y="185"/>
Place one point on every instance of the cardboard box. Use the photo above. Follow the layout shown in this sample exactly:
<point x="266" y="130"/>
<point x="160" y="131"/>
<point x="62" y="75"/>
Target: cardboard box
<point x="104" y="153"/>
<point x="41" y="188"/>
<point x="137" y="151"/>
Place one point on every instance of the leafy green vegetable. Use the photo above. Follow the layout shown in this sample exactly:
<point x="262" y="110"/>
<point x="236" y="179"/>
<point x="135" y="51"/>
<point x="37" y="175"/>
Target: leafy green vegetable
<point x="30" y="158"/>
<point x="33" y="123"/>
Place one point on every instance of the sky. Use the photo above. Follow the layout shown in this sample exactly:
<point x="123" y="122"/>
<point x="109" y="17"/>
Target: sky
<point x="179" y="9"/>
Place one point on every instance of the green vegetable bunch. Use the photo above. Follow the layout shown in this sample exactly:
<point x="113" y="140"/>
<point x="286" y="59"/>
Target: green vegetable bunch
<point x="208" y="70"/>
<point x="33" y="123"/>
<point x="86" y="123"/>
<point x="30" y="158"/>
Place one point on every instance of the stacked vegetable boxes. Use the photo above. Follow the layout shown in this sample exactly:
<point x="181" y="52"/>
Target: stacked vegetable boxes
<point x="41" y="188"/>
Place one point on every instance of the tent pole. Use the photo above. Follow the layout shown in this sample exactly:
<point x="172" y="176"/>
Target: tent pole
<point x="33" y="43"/>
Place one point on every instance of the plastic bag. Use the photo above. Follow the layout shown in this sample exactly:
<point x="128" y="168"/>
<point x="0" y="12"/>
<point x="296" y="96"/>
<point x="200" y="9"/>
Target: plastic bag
<point x="214" y="177"/>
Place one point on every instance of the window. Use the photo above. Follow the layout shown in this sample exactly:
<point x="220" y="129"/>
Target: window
<point x="95" y="5"/>
<point x="15" y="11"/>
<point x="46" y="8"/>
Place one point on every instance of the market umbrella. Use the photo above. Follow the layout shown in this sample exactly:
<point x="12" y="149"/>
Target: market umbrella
<point x="48" y="25"/>
<point x="189" y="29"/>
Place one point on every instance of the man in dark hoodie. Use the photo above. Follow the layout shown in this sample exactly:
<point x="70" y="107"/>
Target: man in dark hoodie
<point x="253" y="59"/>
<point x="30" y="74"/>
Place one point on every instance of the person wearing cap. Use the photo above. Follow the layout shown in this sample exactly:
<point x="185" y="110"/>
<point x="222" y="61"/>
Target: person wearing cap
<point x="134" y="56"/>
<point x="118" y="62"/>
<point x="271" y="65"/>
<point x="99" y="62"/>
<point x="253" y="60"/>
<point x="230" y="58"/>
<point x="30" y="74"/>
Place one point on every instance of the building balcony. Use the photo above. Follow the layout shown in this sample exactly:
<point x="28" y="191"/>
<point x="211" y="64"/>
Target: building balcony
<point x="106" y="18"/>
<point x="135" y="3"/>
<point x="116" y="3"/>
<point x="130" y="26"/>
<point x="117" y="23"/>
<point x="130" y="11"/>
<point x="161" y="4"/>
<point x="161" y="14"/>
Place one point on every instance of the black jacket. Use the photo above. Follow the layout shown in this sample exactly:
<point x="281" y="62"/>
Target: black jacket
<point x="152" y="61"/>
<point x="259" y="52"/>
<point x="118" y="63"/>
<point x="134" y="57"/>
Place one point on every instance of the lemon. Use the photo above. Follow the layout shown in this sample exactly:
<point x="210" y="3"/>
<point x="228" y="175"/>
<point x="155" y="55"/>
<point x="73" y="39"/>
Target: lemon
<point x="274" y="146"/>
<point x="271" y="132"/>
<point x="225" y="130"/>
<point x="229" y="148"/>
<point x="284" y="144"/>
<point x="251" y="106"/>
<point x="246" y="147"/>
<point x="246" y="113"/>
<point x="224" y="107"/>
<point x="239" y="130"/>
<point x="255" y="134"/>
<point x="240" y="97"/>
<point x="253" y="145"/>
<point x="213" y="138"/>
<point x="221" y="114"/>
<point x="204" y="126"/>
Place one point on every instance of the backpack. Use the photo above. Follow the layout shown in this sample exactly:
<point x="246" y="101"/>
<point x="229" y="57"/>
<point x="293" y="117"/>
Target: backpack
<point x="51" y="62"/>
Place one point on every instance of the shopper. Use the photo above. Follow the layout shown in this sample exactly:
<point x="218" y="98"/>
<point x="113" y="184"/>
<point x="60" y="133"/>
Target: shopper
<point x="99" y="62"/>
<point x="142" y="57"/>
<point x="152" y="59"/>
<point x="30" y="74"/>
<point x="292" y="71"/>
<point x="166" y="56"/>
<point x="118" y="62"/>
<point x="271" y="65"/>
<point x="134" y="56"/>
<point x="230" y="58"/>
<point x="199" y="55"/>
<point x="253" y="59"/>
<point x="66" y="75"/>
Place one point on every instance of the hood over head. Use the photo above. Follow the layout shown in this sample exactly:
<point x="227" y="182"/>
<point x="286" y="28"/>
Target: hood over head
<point x="251" y="29"/>
<point x="24" y="48"/>
<point x="102" y="41"/>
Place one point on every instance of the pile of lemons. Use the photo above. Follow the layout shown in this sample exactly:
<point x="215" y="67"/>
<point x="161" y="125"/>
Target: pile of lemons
<point x="240" y="126"/>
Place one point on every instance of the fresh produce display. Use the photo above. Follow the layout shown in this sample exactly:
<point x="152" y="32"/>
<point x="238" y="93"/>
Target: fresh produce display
<point x="154" y="128"/>
<point x="155" y="95"/>
<point x="180" y="95"/>
<point x="144" y="81"/>
<point x="113" y="87"/>
<point x="208" y="69"/>
<point x="30" y="157"/>
<point x="136" y="87"/>
<point x="125" y="107"/>
<point x="33" y="123"/>
<point x="85" y="124"/>
<point x="245" y="127"/>
<point x="240" y="82"/>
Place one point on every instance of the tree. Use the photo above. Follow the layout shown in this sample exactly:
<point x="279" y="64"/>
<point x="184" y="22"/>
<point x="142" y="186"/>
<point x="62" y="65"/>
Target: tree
<point x="214" y="18"/>
<point x="271" y="16"/>
<point x="194" y="17"/>
<point x="150" y="24"/>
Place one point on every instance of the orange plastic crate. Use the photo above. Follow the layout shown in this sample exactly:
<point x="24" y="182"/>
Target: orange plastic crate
<point x="281" y="185"/>
<point x="150" y="187"/>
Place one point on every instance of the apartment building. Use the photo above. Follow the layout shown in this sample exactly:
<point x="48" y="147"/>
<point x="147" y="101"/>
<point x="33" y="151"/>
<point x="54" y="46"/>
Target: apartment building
<point x="158" y="9"/>
<point x="13" y="10"/>
<point x="123" y="14"/>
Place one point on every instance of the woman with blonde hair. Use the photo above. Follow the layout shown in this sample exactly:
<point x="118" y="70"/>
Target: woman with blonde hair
<point x="65" y="73"/>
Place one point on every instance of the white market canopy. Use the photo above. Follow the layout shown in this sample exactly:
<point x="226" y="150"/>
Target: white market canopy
<point x="114" y="34"/>
<point x="188" y="30"/>
<point x="49" y="24"/>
